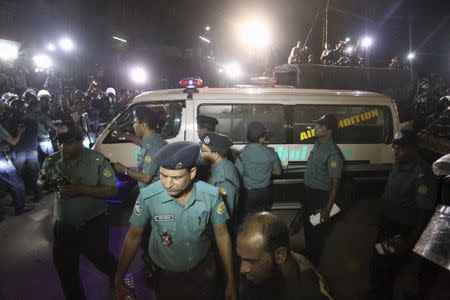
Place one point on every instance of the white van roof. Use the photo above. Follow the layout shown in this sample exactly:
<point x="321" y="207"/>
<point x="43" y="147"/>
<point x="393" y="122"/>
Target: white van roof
<point x="341" y="96"/>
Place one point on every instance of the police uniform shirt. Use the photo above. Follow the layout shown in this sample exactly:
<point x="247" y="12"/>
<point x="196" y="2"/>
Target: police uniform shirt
<point x="410" y="187"/>
<point x="324" y="163"/>
<point x="256" y="163"/>
<point x="149" y="147"/>
<point x="4" y="135"/>
<point x="225" y="176"/>
<point x="186" y="225"/>
<point x="92" y="168"/>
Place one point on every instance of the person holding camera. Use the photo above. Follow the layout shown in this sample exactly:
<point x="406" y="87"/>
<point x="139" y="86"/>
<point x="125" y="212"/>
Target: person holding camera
<point x="8" y="174"/>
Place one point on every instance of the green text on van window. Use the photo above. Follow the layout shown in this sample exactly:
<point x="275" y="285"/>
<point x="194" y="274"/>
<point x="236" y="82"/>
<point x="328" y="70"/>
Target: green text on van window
<point x="136" y="153"/>
<point x="368" y="115"/>
<point x="302" y="153"/>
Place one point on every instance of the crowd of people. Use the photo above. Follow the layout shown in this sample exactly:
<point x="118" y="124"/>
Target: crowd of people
<point x="29" y="122"/>
<point x="342" y="54"/>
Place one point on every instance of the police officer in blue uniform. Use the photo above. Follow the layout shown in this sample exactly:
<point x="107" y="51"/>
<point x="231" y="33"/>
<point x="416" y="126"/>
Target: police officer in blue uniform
<point x="84" y="178"/>
<point x="145" y="126"/>
<point x="8" y="175"/>
<point x="180" y="209"/>
<point x="206" y="124"/>
<point x="223" y="173"/>
<point x="408" y="202"/>
<point x="256" y="164"/>
<point x="322" y="183"/>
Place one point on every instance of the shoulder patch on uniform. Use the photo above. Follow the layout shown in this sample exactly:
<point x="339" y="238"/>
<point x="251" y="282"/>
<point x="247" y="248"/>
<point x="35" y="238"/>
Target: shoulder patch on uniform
<point x="333" y="164"/>
<point x="422" y="189"/>
<point x="138" y="208"/>
<point x="107" y="173"/>
<point x="148" y="158"/>
<point x="220" y="208"/>
<point x="222" y="191"/>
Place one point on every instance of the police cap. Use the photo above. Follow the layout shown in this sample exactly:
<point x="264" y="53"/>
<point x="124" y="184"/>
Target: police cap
<point x="405" y="138"/>
<point x="256" y="131"/>
<point x="217" y="141"/>
<point x="202" y="119"/>
<point x="178" y="155"/>
<point x="329" y="120"/>
<point x="69" y="132"/>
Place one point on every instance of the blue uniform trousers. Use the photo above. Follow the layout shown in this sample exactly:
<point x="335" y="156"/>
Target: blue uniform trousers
<point x="27" y="166"/>
<point x="13" y="183"/>
<point x="91" y="240"/>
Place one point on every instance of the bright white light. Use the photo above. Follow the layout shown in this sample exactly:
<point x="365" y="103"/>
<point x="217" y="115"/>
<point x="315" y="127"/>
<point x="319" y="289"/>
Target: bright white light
<point x="204" y="39"/>
<point x="233" y="70"/>
<point x="220" y="70"/>
<point x="347" y="39"/>
<point x="207" y="28"/>
<point x="138" y="75"/>
<point x="42" y="61"/>
<point x="411" y="55"/>
<point x="8" y="51"/>
<point x="366" y="42"/>
<point x="119" y="39"/>
<point x="66" y="44"/>
<point x="349" y="50"/>
<point x="51" y="47"/>
<point x="255" y="34"/>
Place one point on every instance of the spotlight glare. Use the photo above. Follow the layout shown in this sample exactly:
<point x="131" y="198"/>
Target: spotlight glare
<point x="138" y="75"/>
<point x="66" y="44"/>
<point x="42" y="61"/>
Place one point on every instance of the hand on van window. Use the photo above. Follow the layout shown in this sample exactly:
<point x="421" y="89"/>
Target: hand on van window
<point x="119" y="132"/>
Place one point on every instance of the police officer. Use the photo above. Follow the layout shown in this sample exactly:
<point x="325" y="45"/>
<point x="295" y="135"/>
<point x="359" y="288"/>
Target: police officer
<point x="223" y="173"/>
<point x="180" y="209"/>
<point x="408" y="202"/>
<point x="205" y="124"/>
<point x="84" y="178"/>
<point x="322" y="183"/>
<point x="256" y="163"/>
<point x="145" y="125"/>
<point x="8" y="175"/>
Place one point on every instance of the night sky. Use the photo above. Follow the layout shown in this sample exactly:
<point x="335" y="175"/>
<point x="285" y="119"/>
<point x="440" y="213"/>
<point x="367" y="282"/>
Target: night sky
<point x="396" y="25"/>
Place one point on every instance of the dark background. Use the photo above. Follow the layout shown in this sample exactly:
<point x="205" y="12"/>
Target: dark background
<point x="163" y="35"/>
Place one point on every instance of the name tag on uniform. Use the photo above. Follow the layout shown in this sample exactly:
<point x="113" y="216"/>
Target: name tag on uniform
<point x="164" y="218"/>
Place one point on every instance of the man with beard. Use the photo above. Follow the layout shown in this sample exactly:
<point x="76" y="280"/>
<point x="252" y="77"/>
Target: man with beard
<point x="269" y="269"/>
<point x="224" y="175"/>
<point x="180" y="210"/>
<point x="83" y="178"/>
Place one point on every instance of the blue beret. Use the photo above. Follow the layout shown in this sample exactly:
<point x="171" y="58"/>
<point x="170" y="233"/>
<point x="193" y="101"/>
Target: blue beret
<point x="178" y="155"/>
<point x="405" y="138"/>
<point x="202" y="119"/>
<point x="256" y="130"/>
<point x="219" y="141"/>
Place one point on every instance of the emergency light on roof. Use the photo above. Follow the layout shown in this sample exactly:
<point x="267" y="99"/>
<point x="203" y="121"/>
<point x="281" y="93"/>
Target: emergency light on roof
<point x="191" y="83"/>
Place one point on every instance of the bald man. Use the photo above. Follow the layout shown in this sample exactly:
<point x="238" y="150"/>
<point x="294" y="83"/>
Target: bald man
<point x="269" y="269"/>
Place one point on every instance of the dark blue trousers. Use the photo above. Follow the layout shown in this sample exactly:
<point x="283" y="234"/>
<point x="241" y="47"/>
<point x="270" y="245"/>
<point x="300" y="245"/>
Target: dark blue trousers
<point x="13" y="183"/>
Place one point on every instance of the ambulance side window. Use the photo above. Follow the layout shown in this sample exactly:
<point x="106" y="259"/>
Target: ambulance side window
<point x="235" y="118"/>
<point x="358" y="124"/>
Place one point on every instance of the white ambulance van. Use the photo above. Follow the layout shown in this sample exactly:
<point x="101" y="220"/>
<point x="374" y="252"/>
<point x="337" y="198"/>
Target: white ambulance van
<point x="367" y="124"/>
